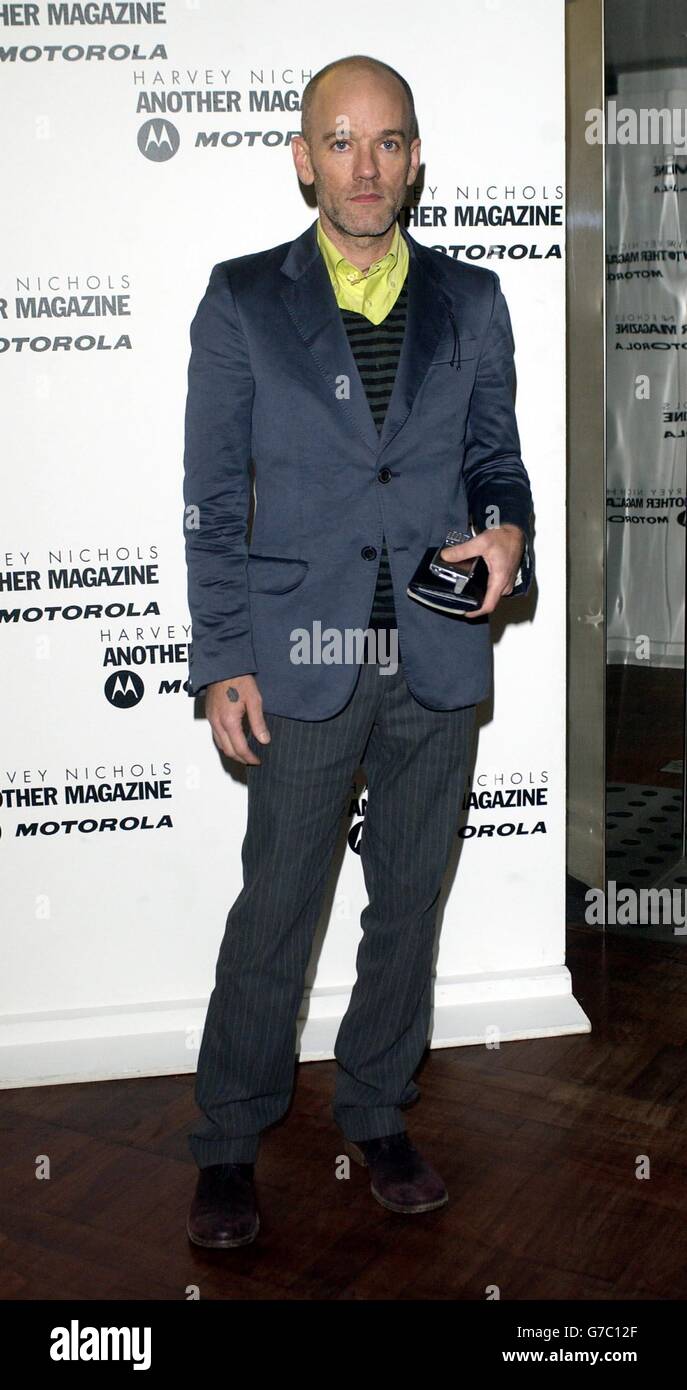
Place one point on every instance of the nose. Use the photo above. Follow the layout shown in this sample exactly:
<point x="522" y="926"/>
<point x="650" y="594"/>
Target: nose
<point x="364" y="162"/>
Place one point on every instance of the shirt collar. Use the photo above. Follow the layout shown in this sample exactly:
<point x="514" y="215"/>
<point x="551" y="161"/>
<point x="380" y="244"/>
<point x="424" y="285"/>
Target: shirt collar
<point x="342" y="270"/>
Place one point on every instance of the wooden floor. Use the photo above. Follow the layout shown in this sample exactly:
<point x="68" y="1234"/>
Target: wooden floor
<point x="538" y="1143"/>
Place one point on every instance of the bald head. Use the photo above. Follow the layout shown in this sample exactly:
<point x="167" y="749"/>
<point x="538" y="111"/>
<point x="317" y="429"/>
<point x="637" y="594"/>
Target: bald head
<point x="347" y="73"/>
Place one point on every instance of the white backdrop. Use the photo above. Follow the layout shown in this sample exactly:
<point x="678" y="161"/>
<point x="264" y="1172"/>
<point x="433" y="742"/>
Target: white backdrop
<point x="127" y="185"/>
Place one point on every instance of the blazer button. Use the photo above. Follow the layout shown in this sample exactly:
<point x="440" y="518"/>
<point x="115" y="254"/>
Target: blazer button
<point x="384" y="475"/>
<point x="368" y="552"/>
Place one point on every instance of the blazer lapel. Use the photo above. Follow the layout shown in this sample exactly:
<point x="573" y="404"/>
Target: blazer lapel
<point x="427" y="318"/>
<point x="311" y="303"/>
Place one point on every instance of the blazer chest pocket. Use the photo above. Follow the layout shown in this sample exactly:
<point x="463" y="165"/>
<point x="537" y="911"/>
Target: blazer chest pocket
<point x="274" y="574"/>
<point x="454" y="355"/>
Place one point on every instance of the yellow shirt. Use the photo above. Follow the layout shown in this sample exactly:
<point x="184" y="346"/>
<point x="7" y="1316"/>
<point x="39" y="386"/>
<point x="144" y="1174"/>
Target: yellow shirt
<point x="372" y="292"/>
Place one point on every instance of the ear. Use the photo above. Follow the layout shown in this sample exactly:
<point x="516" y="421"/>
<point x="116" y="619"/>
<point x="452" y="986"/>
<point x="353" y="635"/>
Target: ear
<point x="414" y="161"/>
<point x="301" y="159"/>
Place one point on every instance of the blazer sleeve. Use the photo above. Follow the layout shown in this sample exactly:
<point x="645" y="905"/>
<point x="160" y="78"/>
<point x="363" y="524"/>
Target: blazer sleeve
<point x="493" y="470"/>
<point x="216" y="488"/>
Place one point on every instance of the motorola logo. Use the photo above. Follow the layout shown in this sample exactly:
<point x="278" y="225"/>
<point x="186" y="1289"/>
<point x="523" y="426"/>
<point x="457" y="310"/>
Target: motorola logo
<point x="158" y="140"/>
<point x="124" y="689"/>
<point x="354" y="835"/>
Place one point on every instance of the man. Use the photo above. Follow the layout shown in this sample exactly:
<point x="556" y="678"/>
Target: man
<point x="369" y="379"/>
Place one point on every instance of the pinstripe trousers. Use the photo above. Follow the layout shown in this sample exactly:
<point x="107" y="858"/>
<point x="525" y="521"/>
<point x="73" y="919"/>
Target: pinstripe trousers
<point x="415" y="760"/>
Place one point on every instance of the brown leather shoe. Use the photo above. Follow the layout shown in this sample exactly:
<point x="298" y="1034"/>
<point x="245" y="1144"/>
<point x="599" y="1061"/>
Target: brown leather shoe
<point x="401" y="1179"/>
<point x="223" y="1212"/>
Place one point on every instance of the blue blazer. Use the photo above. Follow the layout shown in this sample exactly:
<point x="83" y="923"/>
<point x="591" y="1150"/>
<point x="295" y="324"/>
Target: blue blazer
<point x="272" y="381"/>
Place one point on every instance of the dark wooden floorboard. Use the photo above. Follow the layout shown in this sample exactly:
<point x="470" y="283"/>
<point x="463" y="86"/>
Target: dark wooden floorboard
<point x="538" y="1142"/>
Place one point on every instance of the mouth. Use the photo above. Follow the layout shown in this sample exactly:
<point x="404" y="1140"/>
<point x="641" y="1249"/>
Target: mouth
<point x="367" y="198"/>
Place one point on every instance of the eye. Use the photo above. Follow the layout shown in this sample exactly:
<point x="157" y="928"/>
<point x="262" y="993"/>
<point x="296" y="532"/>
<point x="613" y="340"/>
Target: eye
<point x="338" y="142"/>
<point x="391" y="142"/>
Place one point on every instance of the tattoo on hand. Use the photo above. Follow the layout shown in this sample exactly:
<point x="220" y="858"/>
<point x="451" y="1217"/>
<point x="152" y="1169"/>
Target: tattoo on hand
<point x="233" y="693"/>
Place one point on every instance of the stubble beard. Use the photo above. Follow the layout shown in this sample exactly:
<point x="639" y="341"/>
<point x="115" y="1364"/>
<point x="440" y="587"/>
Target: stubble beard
<point x="338" y="217"/>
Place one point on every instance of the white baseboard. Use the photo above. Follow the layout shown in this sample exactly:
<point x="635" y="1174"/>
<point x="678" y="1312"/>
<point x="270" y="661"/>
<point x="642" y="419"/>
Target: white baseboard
<point x="163" y="1039"/>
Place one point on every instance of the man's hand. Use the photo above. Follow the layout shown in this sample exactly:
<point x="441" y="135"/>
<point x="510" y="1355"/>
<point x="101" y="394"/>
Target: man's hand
<point x="226" y="702"/>
<point x="502" y="548"/>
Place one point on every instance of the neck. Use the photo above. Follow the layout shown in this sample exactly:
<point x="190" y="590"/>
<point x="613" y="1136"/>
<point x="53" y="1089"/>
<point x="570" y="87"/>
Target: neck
<point x="361" y="251"/>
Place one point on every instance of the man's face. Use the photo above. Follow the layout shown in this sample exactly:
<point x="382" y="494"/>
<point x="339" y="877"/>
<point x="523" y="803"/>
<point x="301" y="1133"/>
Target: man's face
<point x="359" y="158"/>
